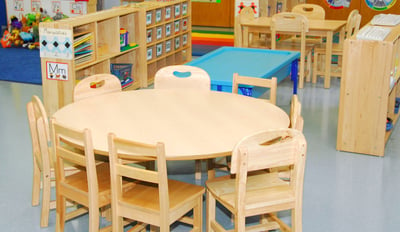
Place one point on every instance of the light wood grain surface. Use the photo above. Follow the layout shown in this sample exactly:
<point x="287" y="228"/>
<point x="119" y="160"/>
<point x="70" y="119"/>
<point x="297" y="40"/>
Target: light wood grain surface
<point x="192" y="124"/>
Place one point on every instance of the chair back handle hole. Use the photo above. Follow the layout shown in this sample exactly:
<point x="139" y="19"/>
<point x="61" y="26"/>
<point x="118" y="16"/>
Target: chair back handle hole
<point x="182" y="74"/>
<point x="308" y="9"/>
<point x="96" y="84"/>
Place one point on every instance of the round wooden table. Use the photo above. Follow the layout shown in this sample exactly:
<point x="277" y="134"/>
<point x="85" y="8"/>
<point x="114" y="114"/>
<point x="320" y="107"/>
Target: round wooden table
<point x="192" y="124"/>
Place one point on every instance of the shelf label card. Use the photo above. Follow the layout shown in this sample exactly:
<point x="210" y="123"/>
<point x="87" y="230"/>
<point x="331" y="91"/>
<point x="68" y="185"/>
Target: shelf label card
<point x="56" y="43"/>
<point x="56" y="71"/>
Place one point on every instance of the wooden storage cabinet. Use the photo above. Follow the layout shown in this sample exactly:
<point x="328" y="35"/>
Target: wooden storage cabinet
<point x="168" y="34"/>
<point x="368" y="92"/>
<point x="102" y="30"/>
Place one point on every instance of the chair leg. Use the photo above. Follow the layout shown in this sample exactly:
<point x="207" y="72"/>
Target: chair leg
<point x="94" y="220"/>
<point x="210" y="216"/>
<point x="44" y="219"/>
<point x="197" y="215"/>
<point x="60" y="213"/>
<point x="297" y="220"/>
<point x="35" y="184"/>
<point x="301" y="73"/>
<point x="308" y="79"/>
<point x="117" y="224"/>
<point x="315" y="67"/>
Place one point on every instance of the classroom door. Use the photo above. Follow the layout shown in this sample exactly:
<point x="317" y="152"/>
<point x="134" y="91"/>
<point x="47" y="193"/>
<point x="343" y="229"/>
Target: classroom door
<point x="213" y="14"/>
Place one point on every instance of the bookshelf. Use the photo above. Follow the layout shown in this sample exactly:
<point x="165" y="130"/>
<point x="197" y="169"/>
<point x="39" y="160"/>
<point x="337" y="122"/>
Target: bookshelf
<point x="368" y="92"/>
<point x="168" y="33"/>
<point x="74" y="48"/>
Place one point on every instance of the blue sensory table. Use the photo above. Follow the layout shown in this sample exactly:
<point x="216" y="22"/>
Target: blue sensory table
<point x="220" y="65"/>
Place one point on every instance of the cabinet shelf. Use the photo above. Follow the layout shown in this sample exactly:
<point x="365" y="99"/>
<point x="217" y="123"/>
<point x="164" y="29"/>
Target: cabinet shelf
<point x="170" y="19"/>
<point x="102" y="30"/>
<point x="367" y="98"/>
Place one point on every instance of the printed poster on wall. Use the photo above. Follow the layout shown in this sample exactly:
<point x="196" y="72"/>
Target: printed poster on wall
<point x="240" y="4"/>
<point x="56" y="43"/>
<point x="338" y="4"/>
<point x="380" y="5"/>
<point x="20" y="8"/>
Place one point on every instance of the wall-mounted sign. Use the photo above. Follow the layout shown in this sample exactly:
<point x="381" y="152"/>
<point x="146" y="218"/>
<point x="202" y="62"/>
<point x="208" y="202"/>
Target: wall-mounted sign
<point x="56" y="71"/>
<point x="338" y="4"/>
<point x="55" y="43"/>
<point x="380" y="4"/>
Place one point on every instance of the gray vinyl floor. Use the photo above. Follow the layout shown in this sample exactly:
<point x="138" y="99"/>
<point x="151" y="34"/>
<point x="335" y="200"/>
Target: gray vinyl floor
<point x="342" y="191"/>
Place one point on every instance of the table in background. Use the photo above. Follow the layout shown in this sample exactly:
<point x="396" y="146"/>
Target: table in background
<point x="223" y="62"/>
<point x="321" y="28"/>
<point x="193" y="124"/>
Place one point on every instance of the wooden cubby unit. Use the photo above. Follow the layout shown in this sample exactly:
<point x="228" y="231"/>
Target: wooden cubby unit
<point x="166" y="22"/>
<point x="103" y="28"/>
<point x="369" y="87"/>
<point x="170" y="43"/>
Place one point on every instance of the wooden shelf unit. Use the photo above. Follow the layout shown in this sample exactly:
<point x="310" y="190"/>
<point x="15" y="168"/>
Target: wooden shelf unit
<point x="104" y="28"/>
<point x="168" y="33"/>
<point x="369" y="87"/>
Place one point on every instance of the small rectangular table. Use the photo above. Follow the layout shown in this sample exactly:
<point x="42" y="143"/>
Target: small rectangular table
<point x="323" y="28"/>
<point x="220" y="65"/>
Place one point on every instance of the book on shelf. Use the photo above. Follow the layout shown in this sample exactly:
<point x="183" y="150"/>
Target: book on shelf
<point x="83" y="48"/>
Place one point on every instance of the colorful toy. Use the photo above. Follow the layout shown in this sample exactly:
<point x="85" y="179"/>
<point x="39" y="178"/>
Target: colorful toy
<point x="5" y="41"/>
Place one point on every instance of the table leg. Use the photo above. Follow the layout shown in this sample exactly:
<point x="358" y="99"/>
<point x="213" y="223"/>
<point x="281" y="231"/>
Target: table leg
<point x="328" y="59"/>
<point x="293" y="74"/>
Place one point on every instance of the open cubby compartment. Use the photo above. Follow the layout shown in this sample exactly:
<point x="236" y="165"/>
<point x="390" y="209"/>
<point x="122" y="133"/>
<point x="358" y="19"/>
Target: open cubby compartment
<point x="168" y="13"/>
<point x="169" y="46"/>
<point x="129" y="58"/>
<point x="185" y="9"/>
<point x="98" y="68"/>
<point x="150" y="17"/>
<point x="108" y="40"/>
<point x="177" y="26"/>
<point x="168" y="30"/>
<point x="84" y="43"/>
<point x="129" y="22"/>
<point x="185" y="39"/>
<point x="177" y="10"/>
<point x="159" y="15"/>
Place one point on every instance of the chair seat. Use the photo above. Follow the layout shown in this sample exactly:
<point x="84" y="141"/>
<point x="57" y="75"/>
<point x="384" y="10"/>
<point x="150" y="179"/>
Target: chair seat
<point x="264" y="187"/>
<point x="179" y="194"/>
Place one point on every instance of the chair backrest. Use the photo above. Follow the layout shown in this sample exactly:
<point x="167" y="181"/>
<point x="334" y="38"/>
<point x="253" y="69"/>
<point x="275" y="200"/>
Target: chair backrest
<point x="67" y="155"/>
<point x="255" y="81"/>
<point x="39" y="129"/>
<point x="271" y="149"/>
<point x="247" y="13"/>
<point x="311" y="11"/>
<point x="296" y="120"/>
<point x="182" y="77"/>
<point x="289" y="23"/>
<point x="122" y="153"/>
<point x="353" y="23"/>
<point x="95" y="85"/>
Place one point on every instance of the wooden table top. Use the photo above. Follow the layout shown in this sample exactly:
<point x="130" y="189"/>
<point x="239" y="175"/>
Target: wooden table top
<point x="314" y="24"/>
<point x="193" y="124"/>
